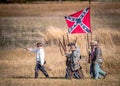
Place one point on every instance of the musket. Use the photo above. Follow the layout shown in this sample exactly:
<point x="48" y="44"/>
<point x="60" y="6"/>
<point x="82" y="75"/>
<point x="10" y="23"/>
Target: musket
<point x="76" y="40"/>
<point x="60" y="49"/>
<point x="62" y="46"/>
<point x="64" y="43"/>
<point x="45" y="41"/>
<point x="68" y="38"/>
<point x="20" y="46"/>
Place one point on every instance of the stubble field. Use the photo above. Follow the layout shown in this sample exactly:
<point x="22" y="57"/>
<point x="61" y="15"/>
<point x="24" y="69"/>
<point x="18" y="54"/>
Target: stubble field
<point x="26" y="24"/>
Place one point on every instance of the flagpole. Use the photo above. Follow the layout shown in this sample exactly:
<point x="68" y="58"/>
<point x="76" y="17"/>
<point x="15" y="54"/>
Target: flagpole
<point x="88" y="41"/>
<point x="87" y="50"/>
<point x="90" y="21"/>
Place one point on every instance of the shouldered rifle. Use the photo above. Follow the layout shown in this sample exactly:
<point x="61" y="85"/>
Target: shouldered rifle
<point x="76" y="40"/>
<point x="60" y="43"/>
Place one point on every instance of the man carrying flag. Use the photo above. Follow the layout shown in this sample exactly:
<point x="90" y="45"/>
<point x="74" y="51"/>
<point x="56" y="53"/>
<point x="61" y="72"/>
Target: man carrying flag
<point x="78" y="23"/>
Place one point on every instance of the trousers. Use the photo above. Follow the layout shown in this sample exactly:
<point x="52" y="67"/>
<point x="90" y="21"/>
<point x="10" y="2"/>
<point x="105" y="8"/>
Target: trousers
<point x="78" y="74"/>
<point x="98" y="71"/>
<point x="92" y="71"/>
<point x="41" y="68"/>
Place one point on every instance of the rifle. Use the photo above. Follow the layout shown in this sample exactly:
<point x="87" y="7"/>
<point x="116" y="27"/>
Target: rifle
<point x="21" y="46"/>
<point x="75" y="40"/>
<point x="62" y="46"/>
<point x="64" y="43"/>
<point x="60" y="49"/>
<point x="68" y="38"/>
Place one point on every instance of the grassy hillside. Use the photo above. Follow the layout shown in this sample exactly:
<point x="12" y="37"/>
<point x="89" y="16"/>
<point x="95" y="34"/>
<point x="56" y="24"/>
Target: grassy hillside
<point x="26" y="24"/>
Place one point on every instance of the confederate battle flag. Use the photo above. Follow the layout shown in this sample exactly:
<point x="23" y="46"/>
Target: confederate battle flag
<point x="79" y="22"/>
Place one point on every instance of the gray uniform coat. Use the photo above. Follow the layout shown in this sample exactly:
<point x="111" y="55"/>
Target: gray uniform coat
<point x="75" y="58"/>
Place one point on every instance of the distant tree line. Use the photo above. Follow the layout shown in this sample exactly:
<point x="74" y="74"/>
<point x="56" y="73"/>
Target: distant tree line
<point x="24" y="1"/>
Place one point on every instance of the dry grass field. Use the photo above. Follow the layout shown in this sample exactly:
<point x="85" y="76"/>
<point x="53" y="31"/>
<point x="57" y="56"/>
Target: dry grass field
<point x="26" y="24"/>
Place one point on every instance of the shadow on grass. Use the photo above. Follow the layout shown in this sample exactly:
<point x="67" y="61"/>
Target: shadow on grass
<point x="22" y="77"/>
<point x="27" y="77"/>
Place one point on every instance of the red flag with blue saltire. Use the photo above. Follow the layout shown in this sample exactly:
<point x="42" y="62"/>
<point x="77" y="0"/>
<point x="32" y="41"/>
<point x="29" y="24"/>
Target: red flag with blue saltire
<point x="79" y="22"/>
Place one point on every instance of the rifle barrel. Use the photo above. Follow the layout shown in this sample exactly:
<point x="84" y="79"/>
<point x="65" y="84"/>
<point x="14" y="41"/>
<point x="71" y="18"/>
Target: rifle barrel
<point x="68" y="38"/>
<point x="62" y="45"/>
<point x="76" y="40"/>
<point x="20" y="46"/>
<point x="60" y="49"/>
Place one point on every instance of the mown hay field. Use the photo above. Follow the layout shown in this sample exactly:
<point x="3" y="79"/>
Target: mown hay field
<point x="26" y="24"/>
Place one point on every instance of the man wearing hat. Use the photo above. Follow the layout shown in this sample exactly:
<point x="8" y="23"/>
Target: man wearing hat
<point x="73" y="65"/>
<point x="40" y="55"/>
<point x="96" y="60"/>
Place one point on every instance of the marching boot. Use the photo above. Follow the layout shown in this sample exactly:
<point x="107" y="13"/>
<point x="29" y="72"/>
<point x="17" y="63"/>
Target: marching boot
<point x="36" y="75"/>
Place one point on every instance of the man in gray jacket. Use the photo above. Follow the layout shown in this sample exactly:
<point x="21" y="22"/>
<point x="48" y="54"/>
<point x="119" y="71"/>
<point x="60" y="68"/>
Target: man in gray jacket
<point x="74" y="67"/>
